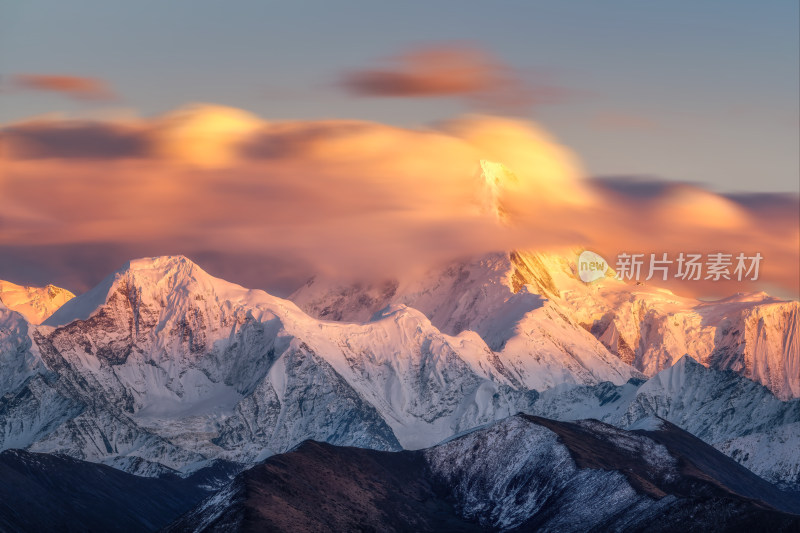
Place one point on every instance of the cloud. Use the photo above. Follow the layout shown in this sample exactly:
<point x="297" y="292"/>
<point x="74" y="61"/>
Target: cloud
<point x="74" y="139"/>
<point x="447" y="71"/>
<point x="76" y="87"/>
<point x="268" y="204"/>
<point x="201" y="135"/>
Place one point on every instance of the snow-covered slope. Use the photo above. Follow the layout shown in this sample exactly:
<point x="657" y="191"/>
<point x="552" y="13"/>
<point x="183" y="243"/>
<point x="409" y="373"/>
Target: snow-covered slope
<point x="772" y="454"/>
<point x="644" y="326"/>
<point x="164" y="362"/>
<point x="34" y="303"/>
<point x="17" y="363"/>
<point x="535" y="473"/>
<point x="752" y="334"/>
<point x="722" y="408"/>
<point x="505" y="298"/>
<point x="713" y="405"/>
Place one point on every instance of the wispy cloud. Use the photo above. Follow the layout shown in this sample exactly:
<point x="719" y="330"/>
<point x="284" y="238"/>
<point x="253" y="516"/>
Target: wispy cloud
<point x="454" y="70"/>
<point x="77" y="87"/>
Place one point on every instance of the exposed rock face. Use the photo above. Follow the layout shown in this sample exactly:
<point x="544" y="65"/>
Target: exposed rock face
<point x="521" y="474"/>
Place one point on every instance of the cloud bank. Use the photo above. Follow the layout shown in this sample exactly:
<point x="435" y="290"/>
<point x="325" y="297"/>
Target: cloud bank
<point x="268" y="204"/>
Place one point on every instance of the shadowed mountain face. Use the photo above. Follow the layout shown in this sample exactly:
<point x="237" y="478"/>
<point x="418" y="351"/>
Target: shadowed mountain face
<point x="321" y="487"/>
<point x="521" y="474"/>
<point x="44" y="492"/>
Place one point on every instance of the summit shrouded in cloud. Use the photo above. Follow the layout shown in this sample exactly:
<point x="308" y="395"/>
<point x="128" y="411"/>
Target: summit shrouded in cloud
<point x="291" y="199"/>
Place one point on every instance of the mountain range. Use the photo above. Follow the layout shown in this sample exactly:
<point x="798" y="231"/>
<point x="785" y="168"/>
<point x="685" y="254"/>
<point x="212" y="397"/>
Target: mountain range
<point x="163" y="371"/>
<point x="645" y="326"/>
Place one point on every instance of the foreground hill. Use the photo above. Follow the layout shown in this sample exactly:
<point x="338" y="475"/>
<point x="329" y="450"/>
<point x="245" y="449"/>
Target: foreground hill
<point x="520" y="474"/>
<point x="44" y="492"/>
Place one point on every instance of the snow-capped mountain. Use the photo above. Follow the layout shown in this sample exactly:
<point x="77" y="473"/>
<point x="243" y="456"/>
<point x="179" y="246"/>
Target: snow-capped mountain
<point x="520" y="474"/>
<point x="166" y="363"/>
<point x="644" y="326"/>
<point x="541" y="346"/>
<point x="163" y="366"/>
<point x="722" y="408"/>
<point x="34" y="303"/>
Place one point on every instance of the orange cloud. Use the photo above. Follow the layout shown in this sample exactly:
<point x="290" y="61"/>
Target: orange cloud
<point x="73" y="86"/>
<point x="450" y="70"/>
<point x="269" y="203"/>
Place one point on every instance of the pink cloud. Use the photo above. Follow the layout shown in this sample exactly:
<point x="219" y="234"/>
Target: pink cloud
<point x="78" y="87"/>
<point x="454" y="71"/>
<point x="351" y="198"/>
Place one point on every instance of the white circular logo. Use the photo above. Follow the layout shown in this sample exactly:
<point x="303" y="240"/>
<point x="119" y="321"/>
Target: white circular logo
<point x="591" y="266"/>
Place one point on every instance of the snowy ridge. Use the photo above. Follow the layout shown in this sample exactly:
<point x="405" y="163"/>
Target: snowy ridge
<point x="644" y="326"/>
<point x="536" y="473"/>
<point x="34" y="303"/>
<point x="771" y="454"/>
<point x="722" y="408"/>
<point x="488" y="487"/>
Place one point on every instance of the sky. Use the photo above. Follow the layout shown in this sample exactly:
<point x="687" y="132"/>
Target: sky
<point x="692" y="91"/>
<point x="699" y="99"/>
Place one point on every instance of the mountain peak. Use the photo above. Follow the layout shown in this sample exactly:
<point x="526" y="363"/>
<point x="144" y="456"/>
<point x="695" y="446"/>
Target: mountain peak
<point x="152" y="278"/>
<point x="34" y="303"/>
<point x="688" y="362"/>
<point x="160" y="267"/>
<point x="675" y="377"/>
<point x="496" y="178"/>
<point x="145" y="263"/>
